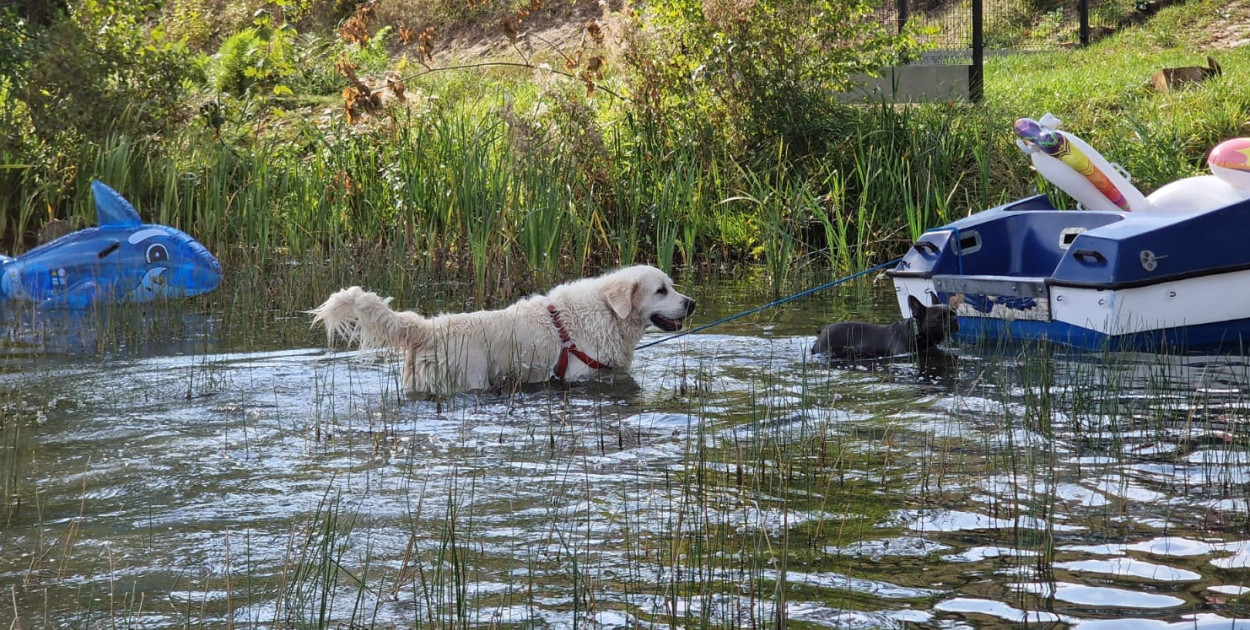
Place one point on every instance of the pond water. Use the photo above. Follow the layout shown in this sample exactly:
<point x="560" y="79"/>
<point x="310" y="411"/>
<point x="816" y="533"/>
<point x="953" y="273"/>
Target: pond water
<point x="208" y="479"/>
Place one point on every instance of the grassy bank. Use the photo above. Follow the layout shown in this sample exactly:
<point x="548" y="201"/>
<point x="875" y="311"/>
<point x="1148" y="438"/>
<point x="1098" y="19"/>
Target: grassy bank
<point x="506" y="177"/>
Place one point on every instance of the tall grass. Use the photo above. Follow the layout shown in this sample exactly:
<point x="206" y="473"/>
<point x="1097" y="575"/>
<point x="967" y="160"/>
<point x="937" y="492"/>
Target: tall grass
<point x="478" y="179"/>
<point x="447" y="189"/>
<point x="677" y="206"/>
<point x="776" y="201"/>
<point x="447" y="192"/>
<point x="545" y="205"/>
<point x="836" y="223"/>
<point x="10" y="462"/>
<point x="310" y="589"/>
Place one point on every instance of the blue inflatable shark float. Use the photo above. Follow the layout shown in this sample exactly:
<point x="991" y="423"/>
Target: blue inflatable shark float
<point x="123" y="261"/>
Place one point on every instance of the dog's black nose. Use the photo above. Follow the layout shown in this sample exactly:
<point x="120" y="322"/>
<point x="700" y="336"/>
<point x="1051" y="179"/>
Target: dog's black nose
<point x="689" y="307"/>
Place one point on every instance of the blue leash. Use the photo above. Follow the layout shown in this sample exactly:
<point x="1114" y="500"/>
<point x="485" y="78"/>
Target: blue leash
<point x="771" y="304"/>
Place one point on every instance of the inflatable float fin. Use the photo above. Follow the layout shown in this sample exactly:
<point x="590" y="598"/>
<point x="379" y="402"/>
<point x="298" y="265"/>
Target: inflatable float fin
<point x="112" y="209"/>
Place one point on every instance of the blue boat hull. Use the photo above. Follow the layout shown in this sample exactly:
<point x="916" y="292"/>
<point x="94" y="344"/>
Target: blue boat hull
<point x="1026" y="271"/>
<point x="1222" y="337"/>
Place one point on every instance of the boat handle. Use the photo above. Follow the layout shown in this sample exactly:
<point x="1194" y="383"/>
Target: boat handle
<point x="1082" y="254"/>
<point x="921" y="246"/>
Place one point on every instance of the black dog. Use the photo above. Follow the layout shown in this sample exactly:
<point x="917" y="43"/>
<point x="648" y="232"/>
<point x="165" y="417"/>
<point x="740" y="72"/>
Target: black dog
<point x="926" y="328"/>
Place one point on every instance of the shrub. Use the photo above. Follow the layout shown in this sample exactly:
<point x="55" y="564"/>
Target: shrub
<point x="257" y="57"/>
<point x="767" y="69"/>
<point x="86" y="69"/>
<point x="98" y="70"/>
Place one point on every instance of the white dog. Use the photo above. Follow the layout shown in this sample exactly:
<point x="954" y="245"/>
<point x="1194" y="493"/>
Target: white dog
<point x="573" y="332"/>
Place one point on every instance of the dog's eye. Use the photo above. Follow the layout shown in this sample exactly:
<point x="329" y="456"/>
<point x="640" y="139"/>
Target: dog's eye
<point x="662" y="291"/>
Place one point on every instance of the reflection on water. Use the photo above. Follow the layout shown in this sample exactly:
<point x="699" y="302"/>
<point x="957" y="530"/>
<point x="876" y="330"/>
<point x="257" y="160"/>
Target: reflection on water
<point x="183" y="480"/>
<point x="27" y="332"/>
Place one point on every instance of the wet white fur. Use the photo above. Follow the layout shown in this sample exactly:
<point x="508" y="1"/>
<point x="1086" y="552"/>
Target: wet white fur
<point x="604" y="316"/>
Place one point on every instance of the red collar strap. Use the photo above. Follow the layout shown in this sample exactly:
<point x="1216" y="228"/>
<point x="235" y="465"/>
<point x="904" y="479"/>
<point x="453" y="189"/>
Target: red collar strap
<point x="568" y="347"/>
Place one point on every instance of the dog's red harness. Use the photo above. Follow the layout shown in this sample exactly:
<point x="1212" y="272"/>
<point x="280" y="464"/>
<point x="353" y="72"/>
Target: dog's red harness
<point x="569" y="347"/>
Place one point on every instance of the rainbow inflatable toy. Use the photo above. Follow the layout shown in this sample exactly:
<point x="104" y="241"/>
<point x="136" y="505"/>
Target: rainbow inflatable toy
<point x="1075" y="167"/>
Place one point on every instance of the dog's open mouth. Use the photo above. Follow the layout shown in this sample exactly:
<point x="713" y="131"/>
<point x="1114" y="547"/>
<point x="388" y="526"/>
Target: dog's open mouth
<point x="666" y="324"/>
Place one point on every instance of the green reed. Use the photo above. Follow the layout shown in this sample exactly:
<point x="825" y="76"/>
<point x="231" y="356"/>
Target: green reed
<point x="774" y="196"/>
<point x="830" y="211"/>
<point x="30" y="211"/>
<point x="451" y="185"/>
<point x="447" y="191"/>
<point x="932" y="167"/>
<point x="660" y="207"/>
<point x="315" y="566"/>
<point x="10" y="460"/>
<point x="770" y="476"/>
<point x="634" y="191"/>
<point x="445" y="186"/>
<point x="545" y="202"/>
<point x="1114" y="412"/>
<point x="675" y="204"/>
<point x="480" y="180"/>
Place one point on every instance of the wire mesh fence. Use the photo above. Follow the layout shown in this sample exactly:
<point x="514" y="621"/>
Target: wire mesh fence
<point x="1007" y="25"/>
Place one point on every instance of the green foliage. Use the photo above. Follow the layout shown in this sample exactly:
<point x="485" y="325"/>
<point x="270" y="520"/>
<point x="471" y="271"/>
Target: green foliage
<point x="205" y="24"/>
<point x="92" y="70"/>
<point x="256" y="58"/>
<point x="313" y="58"/>
<point x="445" y="14"/>
<point x="264" y="59"/>
<point x="1052" y="26"/>
<point x="1038" y="7"/>
<point x="202" y="23"/>
<point x="99" y="69"/>
<point x="374" y="56"/>
<point x="14" y="40"/>
<point x="504" y="174"/>
<point x="1114" y="12"/>
<point x="768" y="69"/>
<point x="14" y="59"/>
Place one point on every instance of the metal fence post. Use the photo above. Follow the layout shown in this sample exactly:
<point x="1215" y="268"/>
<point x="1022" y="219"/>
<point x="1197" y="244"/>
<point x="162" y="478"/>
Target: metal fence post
<point x="976" y="72"/>
<point x="903" y="15"/>
<point x="1083" y="10"/>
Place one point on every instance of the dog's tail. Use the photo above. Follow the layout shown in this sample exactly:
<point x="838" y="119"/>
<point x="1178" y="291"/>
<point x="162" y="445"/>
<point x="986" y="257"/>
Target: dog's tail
<point x="358" y="315"/>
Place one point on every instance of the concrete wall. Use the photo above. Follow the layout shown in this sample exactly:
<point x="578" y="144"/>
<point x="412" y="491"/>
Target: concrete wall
<point x="914" y="84"/>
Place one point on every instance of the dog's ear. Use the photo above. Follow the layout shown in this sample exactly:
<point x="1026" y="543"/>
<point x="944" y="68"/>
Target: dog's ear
<point x="934" y="298"/>
<point x="916" y="306"/>
<point x="620" y="297"/>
